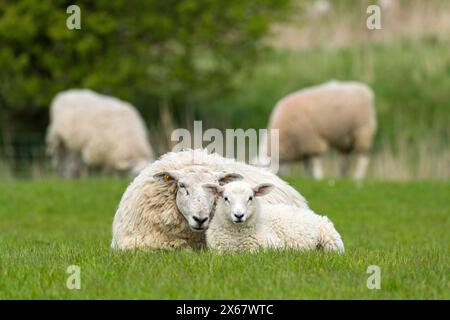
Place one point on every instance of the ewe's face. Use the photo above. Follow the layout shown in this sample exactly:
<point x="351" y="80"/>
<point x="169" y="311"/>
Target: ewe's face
<point x="194" y="202"/>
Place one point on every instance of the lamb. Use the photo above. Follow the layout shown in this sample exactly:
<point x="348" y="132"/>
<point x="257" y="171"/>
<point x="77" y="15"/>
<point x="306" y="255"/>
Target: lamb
<point x="165" y="207"/>
<point x="242" y="222"/>
<point x="334" y="114"/>
<point x="98" y="131"/>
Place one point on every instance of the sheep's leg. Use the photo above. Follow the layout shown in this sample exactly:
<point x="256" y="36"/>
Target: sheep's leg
<point x="55" y="148"/>
<point x="329" y="239"/>
<point x="71" y="166"/>
<point x="58" y="153"/>
<point x="61" y="165"/>
<point x="120" y="173"/>
<point x="284" y="169"/>
<point x="106" y="171"/>
<point x="307" y="165"/>
<point x="363" y="141"/>
<point x="95" y="171"/>
<point x="345" y="165"/>
<point x="316" y="164"/>
<point x="84" y="170"/>
<point x="361" y="166"/>
<point x="59" y="160"/>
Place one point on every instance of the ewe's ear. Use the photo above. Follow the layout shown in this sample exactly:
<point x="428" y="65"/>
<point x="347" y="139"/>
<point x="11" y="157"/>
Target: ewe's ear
<point x="229" y="177"/>
<point x="166" y="177"/>
<point x="214" y="189"/>
<point x="263" y="189"/>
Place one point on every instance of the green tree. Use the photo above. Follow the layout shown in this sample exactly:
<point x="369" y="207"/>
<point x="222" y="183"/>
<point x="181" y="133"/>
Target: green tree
<point x="146" y="52"/>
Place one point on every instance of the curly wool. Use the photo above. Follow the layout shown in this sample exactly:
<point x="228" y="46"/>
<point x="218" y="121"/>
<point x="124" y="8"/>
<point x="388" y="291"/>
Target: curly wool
<point x="147" y="216"/>
<point x="273" y="226"/>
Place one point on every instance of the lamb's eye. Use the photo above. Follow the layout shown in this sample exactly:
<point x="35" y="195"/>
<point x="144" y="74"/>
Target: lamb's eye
<point x="183" y="186"/>
<point x="226" y="199"/>
<point x="250" y="199"/>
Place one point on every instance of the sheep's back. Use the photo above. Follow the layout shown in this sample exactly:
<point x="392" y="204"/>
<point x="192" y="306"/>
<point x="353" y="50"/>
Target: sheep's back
<point x="296" y="227"/>
<point x="282" y="193"/>
<point x="332" y="112"/>
<point x="111" y="129"/>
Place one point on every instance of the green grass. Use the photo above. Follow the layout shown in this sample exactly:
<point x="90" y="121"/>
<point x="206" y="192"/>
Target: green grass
<point x="402" y="227"/>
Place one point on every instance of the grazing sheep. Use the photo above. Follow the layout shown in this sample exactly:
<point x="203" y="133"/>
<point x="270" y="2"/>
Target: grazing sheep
<point x="334" y="114"/>
<point x="166" y="206"/>
<point x="99" y="131"/>
<point x="241" y="222"/>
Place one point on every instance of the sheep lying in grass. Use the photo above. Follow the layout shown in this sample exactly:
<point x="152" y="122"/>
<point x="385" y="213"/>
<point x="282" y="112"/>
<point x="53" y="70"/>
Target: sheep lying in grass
<point x="334" y="114"/>
<point x="242" y="222"/>
<point x="97" y="131"/>
<point x="166" y="207"/>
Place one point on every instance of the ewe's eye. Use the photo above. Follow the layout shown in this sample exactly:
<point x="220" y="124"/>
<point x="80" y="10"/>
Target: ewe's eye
<point x="226" y="199"/>
<point x="250" y="199"/>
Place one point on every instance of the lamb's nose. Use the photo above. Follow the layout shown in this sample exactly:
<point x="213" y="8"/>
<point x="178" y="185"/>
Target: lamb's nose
<point x="200" y="221"/>
<point x="239" y="216"/>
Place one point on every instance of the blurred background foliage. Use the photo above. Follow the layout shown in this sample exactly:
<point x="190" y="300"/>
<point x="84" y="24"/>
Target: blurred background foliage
<point x="227" y="63"/>
<point x="151" y="53"/>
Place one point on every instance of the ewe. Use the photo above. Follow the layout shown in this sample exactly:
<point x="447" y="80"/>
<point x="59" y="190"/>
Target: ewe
<point x="242" y="222"/>
<point x="334" y="114"/>
<point x="97" y="130"/>
<point x="166" y="206"/>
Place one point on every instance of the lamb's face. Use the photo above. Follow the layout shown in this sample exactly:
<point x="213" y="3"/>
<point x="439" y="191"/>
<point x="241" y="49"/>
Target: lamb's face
<point x="194" y="202"/>
<point x="237" y="199"/>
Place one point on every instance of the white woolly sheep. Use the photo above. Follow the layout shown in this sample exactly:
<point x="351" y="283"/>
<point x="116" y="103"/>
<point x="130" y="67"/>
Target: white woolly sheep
<point x="241" y="222"/>
<point x="99" y="131"/>
<point x="334" y="114"/>
<point x="166" y="206"/>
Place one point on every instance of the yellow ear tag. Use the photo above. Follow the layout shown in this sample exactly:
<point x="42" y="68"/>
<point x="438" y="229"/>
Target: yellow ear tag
<point x="166" y="178"/>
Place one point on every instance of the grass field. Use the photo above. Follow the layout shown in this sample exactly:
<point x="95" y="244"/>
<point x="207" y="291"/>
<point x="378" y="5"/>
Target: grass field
<point x="401" y="227"/>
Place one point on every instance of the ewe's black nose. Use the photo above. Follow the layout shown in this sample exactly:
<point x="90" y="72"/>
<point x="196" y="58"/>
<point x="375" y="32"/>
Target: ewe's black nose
<point x="239" y="216"/>
<point x="200" y="221"/>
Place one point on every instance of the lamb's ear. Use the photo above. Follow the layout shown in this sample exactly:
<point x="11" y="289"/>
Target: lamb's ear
<point x="225" y="178"/>
<point x="166" y="177"/>
<point x="263" y="189"/>
<point x="214" y="189"/>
